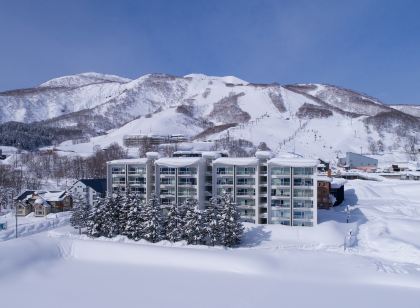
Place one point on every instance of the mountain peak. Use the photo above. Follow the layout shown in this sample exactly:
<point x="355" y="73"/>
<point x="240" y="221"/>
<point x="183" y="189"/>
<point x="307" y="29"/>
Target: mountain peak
<point x="83" y="79"/>
<point x="225" y="79"/>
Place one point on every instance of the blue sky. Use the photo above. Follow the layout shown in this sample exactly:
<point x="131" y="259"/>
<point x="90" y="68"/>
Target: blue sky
<point x="368" y="46"/>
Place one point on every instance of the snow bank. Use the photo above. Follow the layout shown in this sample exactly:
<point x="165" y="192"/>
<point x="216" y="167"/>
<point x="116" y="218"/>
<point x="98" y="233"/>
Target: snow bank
<point x="24" y="253"/>
<point x="193" y="258"/>
<point x="30" y="224"/>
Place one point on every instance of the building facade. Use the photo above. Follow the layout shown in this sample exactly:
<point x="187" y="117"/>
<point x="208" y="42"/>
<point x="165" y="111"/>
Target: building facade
<point x="267" y="190"/>
<point x="88" y="190"/>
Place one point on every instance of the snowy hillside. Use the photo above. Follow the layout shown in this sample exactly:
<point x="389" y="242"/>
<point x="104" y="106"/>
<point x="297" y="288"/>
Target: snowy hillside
<point x="413" y="110"/>
<point x="312" y="119"/>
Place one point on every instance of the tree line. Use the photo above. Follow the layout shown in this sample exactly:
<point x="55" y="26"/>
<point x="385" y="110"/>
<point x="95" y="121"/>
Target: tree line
<point x="126" y="214"/>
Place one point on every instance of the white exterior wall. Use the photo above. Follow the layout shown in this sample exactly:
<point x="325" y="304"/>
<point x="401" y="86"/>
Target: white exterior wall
<point x="181" y="171"/>
<point x="81" y="191"/>
<point x="122" y="175"/>
<point x="287" y="201"/>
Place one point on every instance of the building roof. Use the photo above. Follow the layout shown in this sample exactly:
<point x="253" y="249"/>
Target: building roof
<point x="128" y="161"/>
<point x="177" y="162"/>
<point x="98" y="185"/>
<point x="236" y="161"/>
<point x="24" y="195"/>
<point x="323" y="178"/>
<point x="338" y="182"/>
<point x="294" y="162"/>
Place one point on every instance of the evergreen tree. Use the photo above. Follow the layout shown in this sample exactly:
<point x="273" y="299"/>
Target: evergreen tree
<point x="230" y="223"/>
<point x="152" y="221"/>
<point x="103" y="219"/>
<point x="194" y="224"/>
<point x="124" y="205"/>
<point x="174" y="229"/>
<point x="212" y="217"/>
<point x="80" y="215"/>
<point x="134" y="224"/>
<point x="95" y="222"/>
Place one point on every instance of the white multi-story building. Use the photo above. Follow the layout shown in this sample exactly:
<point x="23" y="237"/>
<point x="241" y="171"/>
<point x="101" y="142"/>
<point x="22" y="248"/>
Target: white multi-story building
<point x="134" y="175"/>
<point x="266" y="190"/>
<point x="292" y="191"/>
<point x="179" y="179"/>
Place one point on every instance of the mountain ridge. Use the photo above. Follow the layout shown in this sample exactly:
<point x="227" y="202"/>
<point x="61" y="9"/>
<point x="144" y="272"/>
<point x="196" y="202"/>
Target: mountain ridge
<point x="197" y="104"/>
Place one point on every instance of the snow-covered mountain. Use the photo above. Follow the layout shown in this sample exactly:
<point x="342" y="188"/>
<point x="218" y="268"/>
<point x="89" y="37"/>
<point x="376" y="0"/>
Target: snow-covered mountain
<point x="307" y="118"/>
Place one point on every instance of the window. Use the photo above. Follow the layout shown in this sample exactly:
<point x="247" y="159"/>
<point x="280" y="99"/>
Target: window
<point x="167" y="191"/>
<point x="280" y="170"/>
<point x="285" y="203"/>
<point x="278" y="192"/>
<point x="246" y="202"/>
<point x="225" y="181"/>
<point x="245" y="191"/>
<point x="138" y="190"/>
<point x="280" y="181"/>
<point x="187" y="181"/>
<point x="302" y="182"/>
<point x="224" y="170"/>
<point x="303" y="171"/>
<point x="118" y="170"/>
<point x="245" y="170"/>
<point x="245" y="181"/>
<point x="136" y="170"/>
<point x="227" y="190"/>
<point x="304" y="193"/>
<point x="303" y="203"/>
<point x="167" y="181"/>
<point x="187" y="170"/>
<point x="137" y="180"/>
<point x="166" y="170"/>
<point x="281" y="213"/>
<point x="302" y="214"/>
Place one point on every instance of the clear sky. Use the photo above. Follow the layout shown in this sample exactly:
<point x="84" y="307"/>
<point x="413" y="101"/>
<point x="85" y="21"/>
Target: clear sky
<point x="368" y="46"/>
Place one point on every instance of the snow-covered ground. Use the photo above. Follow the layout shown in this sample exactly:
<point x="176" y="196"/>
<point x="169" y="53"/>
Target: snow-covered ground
<point x="275" y="266"/>
<point x="30" y="224"/>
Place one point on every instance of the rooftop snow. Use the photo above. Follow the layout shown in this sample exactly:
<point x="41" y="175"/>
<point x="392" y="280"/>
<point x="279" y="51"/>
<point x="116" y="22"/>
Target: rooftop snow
<point x="176" y="162"/>
<point x="294" y="162"/>
<point x="323" y="178"/>
<point x="237" y="161"/>
<point x="128" y="161"/>
<point x="337" y="182"/>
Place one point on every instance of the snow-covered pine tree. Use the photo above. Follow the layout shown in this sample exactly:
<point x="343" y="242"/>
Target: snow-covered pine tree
<point x="80" y="215"/>
<point x="152" y="221"/>
<point x="230" y="223"/>
<point x="174" y="227"/>
<point x="123" y="210"/>
<point x="212" y="218"/>
<point x="194" y="223"/>
<point x="103" y="219"/>
<point x="134" y="224"/>
<point x="95" y="222"/>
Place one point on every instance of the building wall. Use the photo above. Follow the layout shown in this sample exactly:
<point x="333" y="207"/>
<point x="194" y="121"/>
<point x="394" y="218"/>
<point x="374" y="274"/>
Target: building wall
<point x="242" y="183"/>
<point x="292" y="195"/>
<point x="357" y="161"/>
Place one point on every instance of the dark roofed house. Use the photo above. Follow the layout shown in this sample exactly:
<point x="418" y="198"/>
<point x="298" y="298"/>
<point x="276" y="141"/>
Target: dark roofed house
<point x="43" y="202"/>
<point x="89" y="189"/>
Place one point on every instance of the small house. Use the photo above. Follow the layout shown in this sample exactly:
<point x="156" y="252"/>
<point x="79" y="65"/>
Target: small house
<point x="42" y="202"/>
<point x="88" y="190"/>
